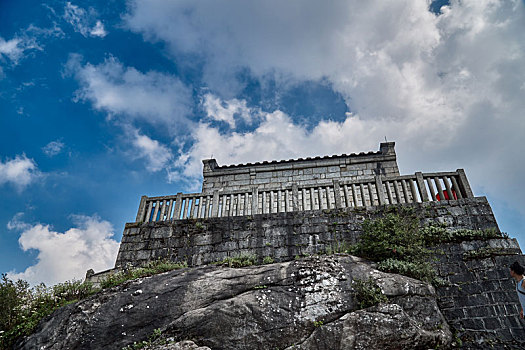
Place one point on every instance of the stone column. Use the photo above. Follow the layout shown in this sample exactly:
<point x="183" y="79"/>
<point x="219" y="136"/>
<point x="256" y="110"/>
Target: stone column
<point x="142" y="209"/>
<point x="464" y="185"/>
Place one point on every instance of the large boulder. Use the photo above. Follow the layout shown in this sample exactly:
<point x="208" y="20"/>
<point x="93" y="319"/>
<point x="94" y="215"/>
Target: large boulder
<point x="306" y="304"/>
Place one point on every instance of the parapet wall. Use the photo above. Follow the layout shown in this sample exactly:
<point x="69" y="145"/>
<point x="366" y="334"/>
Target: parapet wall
<point x="281" y="236"/>
<point x="317" y="171"/>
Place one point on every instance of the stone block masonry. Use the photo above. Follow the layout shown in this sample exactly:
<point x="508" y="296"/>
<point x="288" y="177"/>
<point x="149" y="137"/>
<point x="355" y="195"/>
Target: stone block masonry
<point x="480" y="300"/>
<point x="317" y="171"/>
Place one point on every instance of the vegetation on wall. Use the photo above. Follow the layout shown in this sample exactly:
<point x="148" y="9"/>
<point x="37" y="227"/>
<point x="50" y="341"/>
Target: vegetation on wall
<point x="396" y="242"/>
<point x="400" y="245"/>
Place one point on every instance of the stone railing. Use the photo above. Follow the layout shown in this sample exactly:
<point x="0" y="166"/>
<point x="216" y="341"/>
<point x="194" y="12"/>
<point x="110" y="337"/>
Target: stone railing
<point x="378" y="190"/>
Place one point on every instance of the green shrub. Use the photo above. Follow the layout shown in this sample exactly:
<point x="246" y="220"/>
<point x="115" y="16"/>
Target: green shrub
<point x="22" y="307"/>
<point x="398" y="244"/>
<point x="394" y="236"/>
<point x="367" y="293"/>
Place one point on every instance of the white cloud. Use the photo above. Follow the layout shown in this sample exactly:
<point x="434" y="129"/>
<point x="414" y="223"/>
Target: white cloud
<point x="67" y="255"/>
<point x="12" y="51"/>
<point x="449" y="89"/>
<point x="84" y="22"/>
<point x="152" y="97"/>
<point x="276" y="138"/>
<point x="20" y="171"/>
<point x="226" y="111"/>
<point x="53" y="148"/>
<point x="157" y="155"/>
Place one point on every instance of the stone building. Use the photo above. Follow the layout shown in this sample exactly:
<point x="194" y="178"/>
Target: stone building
<point x="293" y="208"/>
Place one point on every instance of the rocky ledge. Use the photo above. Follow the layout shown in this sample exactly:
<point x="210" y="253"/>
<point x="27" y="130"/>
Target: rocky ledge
<point x="303" y="304"/>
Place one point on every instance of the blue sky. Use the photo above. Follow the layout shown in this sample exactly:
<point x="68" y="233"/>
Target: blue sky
<point x="104" y="101"/>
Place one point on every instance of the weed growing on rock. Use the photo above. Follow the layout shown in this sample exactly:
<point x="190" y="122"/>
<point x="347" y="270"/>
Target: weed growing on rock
<point x="367" y="293"/>
<point x="435" y="234"/>
<point x="240" y="261"/>
<point x="268" y="260"/>
<point x="150" y="269"/>
<point x="153" y="339"/>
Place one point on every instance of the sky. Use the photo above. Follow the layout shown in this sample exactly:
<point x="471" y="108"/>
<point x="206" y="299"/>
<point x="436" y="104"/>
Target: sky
<point x="102" y="102"/>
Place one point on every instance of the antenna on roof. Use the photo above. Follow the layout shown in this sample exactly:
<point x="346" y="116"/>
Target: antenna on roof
<point x="385" y="139"/>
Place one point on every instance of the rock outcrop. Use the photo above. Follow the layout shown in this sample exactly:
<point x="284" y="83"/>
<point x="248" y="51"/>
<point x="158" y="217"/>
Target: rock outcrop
<point x="302" y="304"/>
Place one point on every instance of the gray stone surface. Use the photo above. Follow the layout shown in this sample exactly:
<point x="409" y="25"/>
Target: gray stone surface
<point x="307" y="303"/>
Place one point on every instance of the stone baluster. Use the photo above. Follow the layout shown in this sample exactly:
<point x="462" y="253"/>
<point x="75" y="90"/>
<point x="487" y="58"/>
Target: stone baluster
<point x="440" y="190"/>
<point x="370" y="193"/>
<point x="421" y="187"/>
<point x="215" y="204"/>
<point x="413" y="190"/>
<point x="389" y="192"/>
<point x="156" y="212"/>
<point x="337" y="194"/>
<point x="347" y="196"/>
<point x="186" y="204"/>
<point x="362" y="192"/>
<point x="150" y="208"/>
<point x="431" y="189"/>
<point x="295" y="197"/>
<point x="255" y="200"/>
<point x="239" y="208"/>
<point x="178" y="206"/>
<point x="328" y="202"/>
<point x="379" y="190"/>
<point x="192" y="208"/>
<point x="163" y="209"/>
<point x="263" y="194"/>
<point x="199" y="208"/>
<point x="448" y="189"/>
<point x="396" y="191"/>
<point x="354" y="195"/>
<point x="405" y="191"/>
<point x="456" y="188"/>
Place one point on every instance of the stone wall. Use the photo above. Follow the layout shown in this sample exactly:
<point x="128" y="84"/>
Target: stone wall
<point x="281" y="236"/>
<point x="480" y="301"/>
<point x="319" y="171"/>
